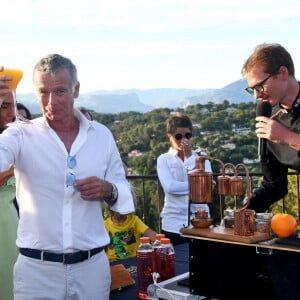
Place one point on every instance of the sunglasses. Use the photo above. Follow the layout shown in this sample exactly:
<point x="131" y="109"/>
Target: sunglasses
<point x="71" y="163"/>
<point x="180" y="136"/>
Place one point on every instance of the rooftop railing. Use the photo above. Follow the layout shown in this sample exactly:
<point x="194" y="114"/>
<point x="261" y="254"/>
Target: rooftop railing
<point x="150" y="197"/>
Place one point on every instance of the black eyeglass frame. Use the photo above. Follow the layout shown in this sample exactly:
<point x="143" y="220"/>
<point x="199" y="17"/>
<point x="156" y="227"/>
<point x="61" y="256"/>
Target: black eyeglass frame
<point x="180" y="136"/>
<point x="259" y="87"/>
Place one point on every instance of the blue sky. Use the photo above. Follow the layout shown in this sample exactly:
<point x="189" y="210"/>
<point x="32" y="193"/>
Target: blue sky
<point x="121" y="44"/>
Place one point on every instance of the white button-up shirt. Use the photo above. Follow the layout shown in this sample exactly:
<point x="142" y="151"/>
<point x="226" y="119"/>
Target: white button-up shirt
<point x="53" y="216"/>
<point x="173" y="176"/>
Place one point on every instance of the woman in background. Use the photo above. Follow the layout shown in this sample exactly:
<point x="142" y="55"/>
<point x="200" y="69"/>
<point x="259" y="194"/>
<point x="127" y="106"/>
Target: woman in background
<point x="8" y="213"/>
<point x="86" y="112"/>
<point x="172" y="171"/>
<point x="24" y="111"/>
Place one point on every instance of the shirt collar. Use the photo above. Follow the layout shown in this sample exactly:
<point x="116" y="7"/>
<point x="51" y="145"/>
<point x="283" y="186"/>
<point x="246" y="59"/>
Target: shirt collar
<point x="173" y="151"/>
<point x="83" y="121"/>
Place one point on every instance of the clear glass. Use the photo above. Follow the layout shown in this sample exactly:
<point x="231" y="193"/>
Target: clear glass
<point x="16" y="75"/>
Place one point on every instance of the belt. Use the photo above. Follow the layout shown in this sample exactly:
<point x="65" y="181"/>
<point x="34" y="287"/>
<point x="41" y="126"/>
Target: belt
<point x="65" y="258"/>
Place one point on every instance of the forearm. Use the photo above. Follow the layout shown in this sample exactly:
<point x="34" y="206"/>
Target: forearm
<point x="292" y="139"/>
<point x="274" y="186"/>
<point x="169" y="183"/>
<point x="112" y="197"/>
<point x="4" y="176"/>
<point x="267" y="194"/>
<point x="151" y="234"/>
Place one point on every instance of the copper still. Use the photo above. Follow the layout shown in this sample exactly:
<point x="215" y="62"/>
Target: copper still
<point x="200" y="183"/>
<point x="200" y="189"/>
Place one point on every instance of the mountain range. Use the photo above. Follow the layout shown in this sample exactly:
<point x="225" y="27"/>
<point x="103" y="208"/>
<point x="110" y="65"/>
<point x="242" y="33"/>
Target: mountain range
<point x="116" y="101"/>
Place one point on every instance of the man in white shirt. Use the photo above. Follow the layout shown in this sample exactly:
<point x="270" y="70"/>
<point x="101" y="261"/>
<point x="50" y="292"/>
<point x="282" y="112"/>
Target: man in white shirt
<point x="65" y="165"/>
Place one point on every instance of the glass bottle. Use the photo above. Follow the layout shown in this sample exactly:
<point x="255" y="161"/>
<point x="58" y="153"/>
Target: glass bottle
<point x="229" y="218"/>
<point x="263" y="222"/>
<point x="165" y="260"/>
<point x="144" y="257"/>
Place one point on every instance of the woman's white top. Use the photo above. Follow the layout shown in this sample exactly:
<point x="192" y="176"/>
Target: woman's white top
<point x="173" y="175"/>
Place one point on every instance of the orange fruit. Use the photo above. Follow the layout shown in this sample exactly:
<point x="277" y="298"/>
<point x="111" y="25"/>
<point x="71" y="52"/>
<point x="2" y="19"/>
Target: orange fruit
<point x="283" y="225"/>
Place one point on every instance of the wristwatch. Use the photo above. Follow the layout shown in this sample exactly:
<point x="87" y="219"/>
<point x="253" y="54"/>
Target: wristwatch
<point x="114" y="196"/>
<point x="114" y="193"/>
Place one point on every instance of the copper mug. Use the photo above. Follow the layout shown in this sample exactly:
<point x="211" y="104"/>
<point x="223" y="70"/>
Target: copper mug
<point x="244" y="223"/>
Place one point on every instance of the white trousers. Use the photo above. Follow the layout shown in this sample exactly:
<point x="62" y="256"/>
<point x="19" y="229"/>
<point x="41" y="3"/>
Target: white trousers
<point x="44" y="280"/>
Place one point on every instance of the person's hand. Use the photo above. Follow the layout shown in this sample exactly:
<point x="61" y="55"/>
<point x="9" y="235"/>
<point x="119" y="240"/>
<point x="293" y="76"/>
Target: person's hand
<point x="4" y="176"/>
<point x="246" y="201"/>
<point x="272" y="130"/>
<point x="4" y="86"/>
<point x="93" y="188"/>
<point x="187" y="146"/>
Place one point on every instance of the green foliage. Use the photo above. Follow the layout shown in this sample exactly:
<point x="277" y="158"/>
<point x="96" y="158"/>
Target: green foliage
<point x="214" y="125"/>
<point x="215" y="129"/>
<point x="291" y="199"/>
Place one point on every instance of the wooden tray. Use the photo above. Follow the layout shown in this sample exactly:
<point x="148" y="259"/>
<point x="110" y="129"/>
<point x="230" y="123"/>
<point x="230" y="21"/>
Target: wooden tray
<point x="120" y="277"/>
<point x="223" y="233"/>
